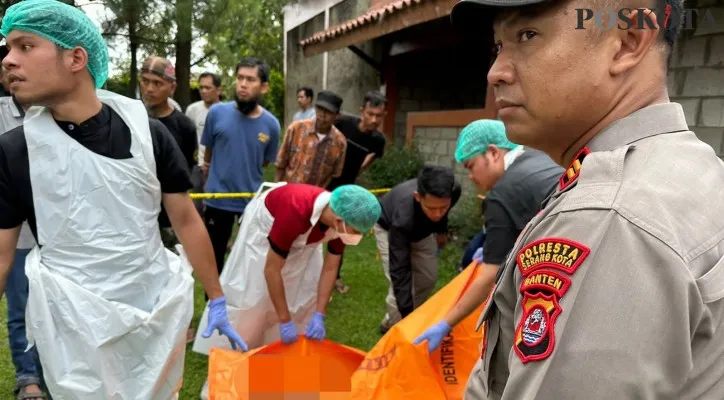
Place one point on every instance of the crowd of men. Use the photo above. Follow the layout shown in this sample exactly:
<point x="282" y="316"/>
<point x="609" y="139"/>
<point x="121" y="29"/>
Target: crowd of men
<point x="605" y="278"/>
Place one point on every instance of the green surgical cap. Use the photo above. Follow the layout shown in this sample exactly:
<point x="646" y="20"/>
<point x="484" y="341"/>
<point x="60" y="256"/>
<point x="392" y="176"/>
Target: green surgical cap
<point x="64" y="25"/>
<point x="359" y="208"/>
<point x="477" y="136"/>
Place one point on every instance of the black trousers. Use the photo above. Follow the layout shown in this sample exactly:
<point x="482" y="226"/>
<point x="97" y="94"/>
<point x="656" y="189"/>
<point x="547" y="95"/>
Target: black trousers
<point x="197" y="180"/>
<point x="219" y="224"/>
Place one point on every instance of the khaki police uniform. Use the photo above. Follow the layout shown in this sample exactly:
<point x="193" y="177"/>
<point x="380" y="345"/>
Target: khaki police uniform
<point x="615" y="290"/>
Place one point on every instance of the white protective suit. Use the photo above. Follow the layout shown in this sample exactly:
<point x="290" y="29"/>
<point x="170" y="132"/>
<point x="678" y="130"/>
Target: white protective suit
<point x="108" y="306"/>
<point x="249" y="306"/>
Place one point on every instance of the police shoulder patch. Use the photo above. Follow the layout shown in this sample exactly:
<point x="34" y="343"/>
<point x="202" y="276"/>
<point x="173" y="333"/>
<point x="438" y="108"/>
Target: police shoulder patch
<point x="535" y="336"/>
<point x="557" y="253"/>
<point x="546" y="281"/>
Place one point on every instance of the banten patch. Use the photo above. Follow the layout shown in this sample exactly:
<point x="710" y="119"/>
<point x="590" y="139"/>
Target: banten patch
<point x="546" y="281"/>
<point x="535" y="335"/>
<point x="558" y="253"/>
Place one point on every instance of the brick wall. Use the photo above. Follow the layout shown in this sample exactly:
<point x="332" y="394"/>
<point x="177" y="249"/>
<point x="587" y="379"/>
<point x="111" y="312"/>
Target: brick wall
<point x="696" y="77"/>
<point x="438" y="80"/>
<point x="437" y="146"/>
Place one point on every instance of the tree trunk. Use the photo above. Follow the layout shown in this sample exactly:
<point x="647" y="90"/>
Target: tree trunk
<point x="184" y="22"/>
<point x="131" y="12"/>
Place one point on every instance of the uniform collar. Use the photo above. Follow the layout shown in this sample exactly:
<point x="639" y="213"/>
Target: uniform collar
<point x="646" y="122"/>
<point x="511" y="156"/>
<point x="653" y="120"/>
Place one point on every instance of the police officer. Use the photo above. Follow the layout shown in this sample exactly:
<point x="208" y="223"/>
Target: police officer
<point x="517" y="180"/>
<point x="615" y="290"/>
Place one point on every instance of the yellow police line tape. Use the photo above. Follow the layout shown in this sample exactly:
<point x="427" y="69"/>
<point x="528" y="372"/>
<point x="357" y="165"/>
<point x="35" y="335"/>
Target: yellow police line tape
<point x="209" y="196"/>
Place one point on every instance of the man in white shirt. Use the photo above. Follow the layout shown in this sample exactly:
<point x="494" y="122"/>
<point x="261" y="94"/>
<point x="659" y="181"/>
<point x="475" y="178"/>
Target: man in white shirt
<point x="210" y="91"/>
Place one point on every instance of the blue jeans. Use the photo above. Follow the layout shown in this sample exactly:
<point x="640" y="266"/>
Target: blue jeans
<point x="27" y="363"/>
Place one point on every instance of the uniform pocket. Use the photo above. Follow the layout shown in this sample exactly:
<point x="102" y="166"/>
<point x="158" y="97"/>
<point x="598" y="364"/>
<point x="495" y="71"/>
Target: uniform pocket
<point x="711" y="284"/>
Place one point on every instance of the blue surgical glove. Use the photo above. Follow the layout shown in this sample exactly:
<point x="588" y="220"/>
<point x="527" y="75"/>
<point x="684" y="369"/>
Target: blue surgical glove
<point x="478" y="256"/>
<point x="315" y="327"/>
<point x="218" y="319"/>
<point x="288" y="332"/>
<point x="434" y="335"/>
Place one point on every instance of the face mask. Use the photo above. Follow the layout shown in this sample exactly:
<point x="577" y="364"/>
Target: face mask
<point x="349" y="239"/>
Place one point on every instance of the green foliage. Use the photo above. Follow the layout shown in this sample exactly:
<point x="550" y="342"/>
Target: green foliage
<point x="246" y="28"/>
<point x="466" y="218"/>
<point x="274" y="100"/>
<point x="118" y="83"/>
<point x="396" y="166"/>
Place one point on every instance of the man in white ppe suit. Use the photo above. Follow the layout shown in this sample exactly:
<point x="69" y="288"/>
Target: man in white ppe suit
<point x="276" y="278"/>
<point x="108" y="305"/>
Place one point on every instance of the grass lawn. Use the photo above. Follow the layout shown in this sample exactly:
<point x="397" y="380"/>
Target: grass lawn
<point x="353" y="318"/>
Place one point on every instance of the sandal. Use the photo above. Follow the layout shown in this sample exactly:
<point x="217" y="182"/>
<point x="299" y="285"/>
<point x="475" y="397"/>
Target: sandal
<point x="25" y="395"/>
<point x="340" y="286"/>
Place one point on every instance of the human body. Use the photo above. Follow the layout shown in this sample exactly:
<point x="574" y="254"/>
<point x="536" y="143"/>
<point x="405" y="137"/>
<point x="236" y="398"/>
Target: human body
<point x="240" y="138"/>
<point x="158" y="83"/>
<point x="210" y="91"/>
<point x="27" y="365"/>
<point x="517" y="181"/>
<point x="365" y="144"/>
<point x="305" y="97"/>
<point x="413" y="225"/>
<point x="277" y="279"/>
<point x="108" y="306"/>
<point x="313" y="150"/>
<point x="614" y="289"/>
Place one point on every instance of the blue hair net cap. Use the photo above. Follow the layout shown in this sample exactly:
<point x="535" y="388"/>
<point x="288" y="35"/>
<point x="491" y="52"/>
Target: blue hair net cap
<point x="478" y="135"/>
<point x="64" y="25"/>
<point x="357" y="206"/>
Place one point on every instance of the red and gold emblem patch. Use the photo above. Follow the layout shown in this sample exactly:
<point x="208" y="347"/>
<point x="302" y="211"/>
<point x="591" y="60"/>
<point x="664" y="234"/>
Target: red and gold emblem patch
<point x="558" y="253"/>
<point x="546" y="281"/>
<point x="535" y="336"/>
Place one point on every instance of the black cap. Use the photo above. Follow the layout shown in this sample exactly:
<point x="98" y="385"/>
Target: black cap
<point x="329" y="101"/>
<point x="479" y="14"/>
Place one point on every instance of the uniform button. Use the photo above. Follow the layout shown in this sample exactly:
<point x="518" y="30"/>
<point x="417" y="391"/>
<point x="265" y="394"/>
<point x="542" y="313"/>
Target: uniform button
<point x="71" y="127"/>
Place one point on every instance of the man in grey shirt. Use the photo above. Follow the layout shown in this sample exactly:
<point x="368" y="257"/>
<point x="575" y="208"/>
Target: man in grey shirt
<point x="305" y="96"/>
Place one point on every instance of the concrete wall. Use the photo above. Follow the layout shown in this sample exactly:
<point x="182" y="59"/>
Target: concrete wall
<point x="301" y="71"/>
<point x="437" y="146"/>
<point x="696" y="76"/>
<point x="347" y="74"/>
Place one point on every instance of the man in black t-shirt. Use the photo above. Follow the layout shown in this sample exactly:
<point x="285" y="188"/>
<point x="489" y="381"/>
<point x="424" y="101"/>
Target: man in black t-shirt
<point x="158" y="83"/>
<point x="365" y="144"/>
<point x="87" y="170"/>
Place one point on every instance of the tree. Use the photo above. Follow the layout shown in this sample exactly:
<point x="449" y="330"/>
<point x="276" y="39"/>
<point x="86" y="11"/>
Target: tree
<point x="243" y="28"/>
<point x="142" y="23"/>
<point x="184" y="28"/>
<point x="5" y="4"/>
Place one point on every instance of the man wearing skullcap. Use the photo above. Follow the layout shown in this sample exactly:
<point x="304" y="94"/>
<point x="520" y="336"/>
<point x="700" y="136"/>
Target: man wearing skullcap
<point x="517" y="181"/>
<point x="108" y="305"/>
